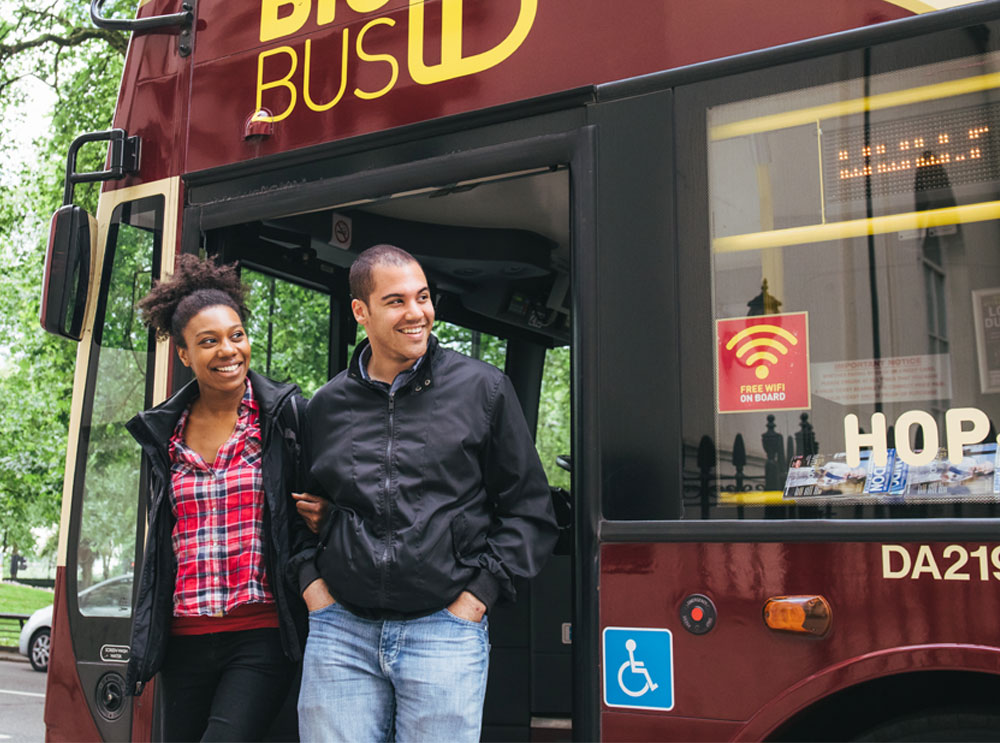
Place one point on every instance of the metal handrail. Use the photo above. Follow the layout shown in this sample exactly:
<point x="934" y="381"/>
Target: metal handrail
<point x="124" y="159"/>
<point x="183" y="19"/>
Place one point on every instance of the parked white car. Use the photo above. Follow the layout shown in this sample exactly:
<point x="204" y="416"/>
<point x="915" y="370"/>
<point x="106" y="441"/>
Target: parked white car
<point x="109" y="598"/>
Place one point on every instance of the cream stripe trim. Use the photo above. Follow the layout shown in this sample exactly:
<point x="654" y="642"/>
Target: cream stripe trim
<point x="914" y="6"/>
<point x="170" y="189"/>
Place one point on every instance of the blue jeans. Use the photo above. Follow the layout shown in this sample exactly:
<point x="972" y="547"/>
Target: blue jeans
<point x="404" y="680"/>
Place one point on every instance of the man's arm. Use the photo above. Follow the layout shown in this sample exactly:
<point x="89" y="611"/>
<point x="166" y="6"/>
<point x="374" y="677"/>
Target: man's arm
<point x="523" y="531"/>
<point x="301" y="569"/>
<point x="313" y="510"/>
<point x="317" y="595"/>
<point x="467" y="606"/>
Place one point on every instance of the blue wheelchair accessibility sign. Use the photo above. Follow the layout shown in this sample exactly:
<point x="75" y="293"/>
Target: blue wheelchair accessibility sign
<point x="638" y="668"/>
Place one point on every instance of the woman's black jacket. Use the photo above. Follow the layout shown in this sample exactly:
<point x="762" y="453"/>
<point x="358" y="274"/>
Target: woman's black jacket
<point x="284" y="532"/>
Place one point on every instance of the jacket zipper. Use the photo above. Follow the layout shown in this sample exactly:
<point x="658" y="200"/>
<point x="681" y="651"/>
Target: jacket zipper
<point x="385" y="491"/>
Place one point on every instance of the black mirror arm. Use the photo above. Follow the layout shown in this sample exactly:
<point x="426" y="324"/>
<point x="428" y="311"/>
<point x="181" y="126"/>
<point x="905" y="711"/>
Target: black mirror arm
<point x="124" y="159"/>
<point x="184" y="19"/>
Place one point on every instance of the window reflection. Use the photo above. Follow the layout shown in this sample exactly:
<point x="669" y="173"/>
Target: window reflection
<point x="869" y="207"/>
<point x="121" y="355"/>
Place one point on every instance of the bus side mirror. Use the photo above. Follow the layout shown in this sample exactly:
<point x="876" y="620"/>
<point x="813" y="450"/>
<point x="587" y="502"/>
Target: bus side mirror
<point x="67" y="271"/>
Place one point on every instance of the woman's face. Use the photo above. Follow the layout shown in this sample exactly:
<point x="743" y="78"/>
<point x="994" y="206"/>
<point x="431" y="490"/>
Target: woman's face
<point x="217" y="350"/>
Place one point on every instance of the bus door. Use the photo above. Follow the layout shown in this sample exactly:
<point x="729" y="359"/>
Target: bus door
<point x="496" y="251"/>
<point x="119" y="372"/>
<point x="819" y="565"/>
<point x="501" y="290"/>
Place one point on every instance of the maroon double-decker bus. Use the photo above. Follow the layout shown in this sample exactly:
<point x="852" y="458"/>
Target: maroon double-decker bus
<point x="739" y="259"/>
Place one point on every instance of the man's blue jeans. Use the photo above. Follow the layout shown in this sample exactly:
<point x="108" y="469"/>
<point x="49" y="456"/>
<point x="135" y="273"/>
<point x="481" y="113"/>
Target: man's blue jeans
<point x="404" y="680"/>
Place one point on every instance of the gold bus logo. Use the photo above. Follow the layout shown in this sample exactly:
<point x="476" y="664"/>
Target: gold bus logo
<point x="453" y="63"/>
<point x="279" y="67"/>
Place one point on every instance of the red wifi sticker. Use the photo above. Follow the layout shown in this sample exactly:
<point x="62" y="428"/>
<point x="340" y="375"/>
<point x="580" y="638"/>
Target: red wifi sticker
<point x="763" y="362"/>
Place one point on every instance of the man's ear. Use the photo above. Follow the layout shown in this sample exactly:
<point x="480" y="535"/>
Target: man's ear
<point x="182" y="354"/>
<point x="360" y="310"/>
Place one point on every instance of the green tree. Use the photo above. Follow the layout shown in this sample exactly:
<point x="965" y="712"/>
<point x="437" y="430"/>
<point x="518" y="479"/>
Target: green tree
<point x="51" y="48"/>
<point x="289" y="329"/>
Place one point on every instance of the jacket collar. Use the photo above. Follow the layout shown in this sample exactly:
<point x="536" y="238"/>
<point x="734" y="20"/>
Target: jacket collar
<point x="424" y="379"/>
<point x="154" y="427"/>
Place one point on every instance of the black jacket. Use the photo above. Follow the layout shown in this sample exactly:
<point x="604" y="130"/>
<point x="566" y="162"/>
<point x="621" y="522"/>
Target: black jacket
<point x="284" y="532"/>
<point x="436" y="489"/>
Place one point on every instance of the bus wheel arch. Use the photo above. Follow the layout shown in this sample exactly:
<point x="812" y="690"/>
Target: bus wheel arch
<point x="896" y="706"/>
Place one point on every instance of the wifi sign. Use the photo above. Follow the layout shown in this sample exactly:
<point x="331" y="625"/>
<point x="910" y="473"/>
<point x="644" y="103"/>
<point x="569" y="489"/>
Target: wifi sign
<point x="763" y="363"/>
<point x="758" y="338"/>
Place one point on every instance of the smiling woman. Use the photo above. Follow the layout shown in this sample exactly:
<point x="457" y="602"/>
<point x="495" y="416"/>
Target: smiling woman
<point x="214" y="511"/>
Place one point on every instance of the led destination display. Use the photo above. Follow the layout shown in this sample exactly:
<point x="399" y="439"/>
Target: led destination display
<point x="920" y="153"/>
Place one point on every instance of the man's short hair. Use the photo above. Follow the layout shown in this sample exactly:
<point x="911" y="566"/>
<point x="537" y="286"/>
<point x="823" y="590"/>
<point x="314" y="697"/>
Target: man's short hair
<point x="362" y="279"/>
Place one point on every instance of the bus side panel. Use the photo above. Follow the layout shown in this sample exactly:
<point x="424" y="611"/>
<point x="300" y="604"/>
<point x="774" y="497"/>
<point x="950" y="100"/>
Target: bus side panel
<point x="152" y="101"/>
<point x="67" y="717"/>
<point x="627" y="727"/>
<point x="143" y="714"/>
<point x="883" y="597"/>
<point x="362" y="73"/>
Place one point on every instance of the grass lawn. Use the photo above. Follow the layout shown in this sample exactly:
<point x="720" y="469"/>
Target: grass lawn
<point x="17" y="599"/>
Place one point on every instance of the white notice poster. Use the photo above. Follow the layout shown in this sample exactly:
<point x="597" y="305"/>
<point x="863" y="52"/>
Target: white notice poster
<point x="986" y="307"/>
<point x="894" y="379"/>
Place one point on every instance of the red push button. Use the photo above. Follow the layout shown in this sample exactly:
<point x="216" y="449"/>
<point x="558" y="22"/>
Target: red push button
<point x="698" y="614"/>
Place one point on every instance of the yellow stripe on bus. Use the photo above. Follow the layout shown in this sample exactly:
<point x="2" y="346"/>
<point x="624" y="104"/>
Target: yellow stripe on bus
<point x="755" y="498"/>
<point x="812" y="114"/>
<point x="816" y="233"/>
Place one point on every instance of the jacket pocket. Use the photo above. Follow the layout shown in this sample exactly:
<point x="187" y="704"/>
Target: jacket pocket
<point x="459" y="535"/>
<point x="467" y="542"/>
<point x="325" y="528"/>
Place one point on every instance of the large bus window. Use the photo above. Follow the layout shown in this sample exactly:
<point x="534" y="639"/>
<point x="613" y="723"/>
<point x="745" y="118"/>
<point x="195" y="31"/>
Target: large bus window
<point x="853" y="231"/>
<point x="289" y="325"/>
<point x="122" y="352"/>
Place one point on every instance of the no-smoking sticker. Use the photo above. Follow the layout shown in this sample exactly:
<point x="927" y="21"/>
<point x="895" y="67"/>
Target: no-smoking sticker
<point x="341" y="231"/>
<point x="763" y="362"/>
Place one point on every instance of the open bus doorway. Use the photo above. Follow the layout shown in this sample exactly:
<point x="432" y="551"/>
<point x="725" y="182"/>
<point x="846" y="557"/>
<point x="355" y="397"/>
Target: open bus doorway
<point x="496" y="252"/>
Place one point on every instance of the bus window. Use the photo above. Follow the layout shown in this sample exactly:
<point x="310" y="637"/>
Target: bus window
<point x="474" y="343"/>
<point x="122" y="351"/>
<point x="855" y="286"/>
<point x="289" y="324"/>
<point x="553" y="433"/>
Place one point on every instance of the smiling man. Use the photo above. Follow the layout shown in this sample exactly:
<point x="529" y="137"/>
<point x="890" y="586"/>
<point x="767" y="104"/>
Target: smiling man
<point x="439" y="502"/>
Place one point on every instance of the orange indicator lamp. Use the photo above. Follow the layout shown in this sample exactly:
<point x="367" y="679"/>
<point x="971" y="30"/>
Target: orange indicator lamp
<point x="808" y="614"/>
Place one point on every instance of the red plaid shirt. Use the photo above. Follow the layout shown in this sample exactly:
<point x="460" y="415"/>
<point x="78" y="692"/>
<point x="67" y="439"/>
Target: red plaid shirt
<point x="219" y="512"/>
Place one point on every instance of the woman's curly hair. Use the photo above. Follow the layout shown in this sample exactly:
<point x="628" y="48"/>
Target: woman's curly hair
<point x="195" y="285"/>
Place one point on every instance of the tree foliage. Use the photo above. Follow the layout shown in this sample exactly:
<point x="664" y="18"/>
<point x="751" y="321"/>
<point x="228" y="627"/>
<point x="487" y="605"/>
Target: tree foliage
<point x="48" y="49"/>
<point x="289" y="328"/>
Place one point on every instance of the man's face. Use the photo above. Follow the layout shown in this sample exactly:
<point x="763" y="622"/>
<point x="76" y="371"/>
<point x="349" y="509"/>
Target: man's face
<point x="398" y="315"/>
